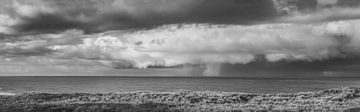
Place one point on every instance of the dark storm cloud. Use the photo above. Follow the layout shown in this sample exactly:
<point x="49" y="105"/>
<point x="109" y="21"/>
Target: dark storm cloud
<point x="98" y="16"/>
<point x="352" y="3"/>
<point x="101" y="15"/>
<point x="94" y="18"/>
<point x="231" y="11"/>
<point x="47" y="23"/>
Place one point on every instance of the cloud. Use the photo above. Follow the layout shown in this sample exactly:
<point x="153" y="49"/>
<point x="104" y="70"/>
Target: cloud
<point x="333" y="67"/>
<point x="43" y="16"/>
<point x="203" y="34"/>
<point x="178" y="44"/>
<point x="295" y="6"/>
<point x="92" y="16"/>
<point x="36" y="45"/>
<point x="315" y="11"/>
<point x="322" y="15"/>
<point x="327" y="2"/>
<point x="5" y="24"/>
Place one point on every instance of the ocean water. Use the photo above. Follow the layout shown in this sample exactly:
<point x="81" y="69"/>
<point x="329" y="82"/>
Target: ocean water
<point x="19" y="85"/>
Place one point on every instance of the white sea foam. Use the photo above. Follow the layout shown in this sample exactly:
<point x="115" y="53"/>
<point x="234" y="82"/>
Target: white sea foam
<point x="6" y="94"/>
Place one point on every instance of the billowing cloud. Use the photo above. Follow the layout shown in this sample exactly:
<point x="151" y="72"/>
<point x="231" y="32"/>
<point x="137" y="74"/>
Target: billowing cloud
<point x="315" y="11"/>
<point x="174" y="45"/>
<point x="202" y="34"/>
<point x="323" y="15"/>
<point x="179" y="44"/>
<point x="5" y="24"/>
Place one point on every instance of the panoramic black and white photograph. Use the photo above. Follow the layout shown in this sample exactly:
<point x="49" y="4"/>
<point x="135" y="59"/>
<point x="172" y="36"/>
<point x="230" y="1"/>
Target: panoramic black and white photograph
<point x="179" y="55"/>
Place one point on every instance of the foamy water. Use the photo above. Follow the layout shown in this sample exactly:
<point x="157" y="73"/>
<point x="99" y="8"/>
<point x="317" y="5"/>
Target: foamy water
<point x="7" y="94"/>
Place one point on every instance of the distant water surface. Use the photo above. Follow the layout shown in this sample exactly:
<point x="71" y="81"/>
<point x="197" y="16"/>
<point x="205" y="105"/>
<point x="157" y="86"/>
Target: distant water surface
<point x="122" y="84"/>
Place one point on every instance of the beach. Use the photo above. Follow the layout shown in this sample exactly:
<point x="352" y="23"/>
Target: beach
<point x="335" y="100"/>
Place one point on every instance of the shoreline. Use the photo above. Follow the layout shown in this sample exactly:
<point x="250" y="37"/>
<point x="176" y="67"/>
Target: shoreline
<point x="7" y="94"/>
<point x="338" y="99"/>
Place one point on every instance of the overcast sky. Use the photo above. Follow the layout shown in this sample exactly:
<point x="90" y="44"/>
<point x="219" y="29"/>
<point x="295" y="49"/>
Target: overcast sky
<point x="244" y="38"/>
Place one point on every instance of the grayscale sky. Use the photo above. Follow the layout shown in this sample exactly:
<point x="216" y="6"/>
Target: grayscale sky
<point x="232" y="38"/>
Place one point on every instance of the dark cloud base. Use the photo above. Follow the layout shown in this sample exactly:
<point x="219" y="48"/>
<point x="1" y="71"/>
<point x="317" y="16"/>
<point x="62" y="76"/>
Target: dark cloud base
<point x="146" y="14"/>
<point x="204" y="11"/>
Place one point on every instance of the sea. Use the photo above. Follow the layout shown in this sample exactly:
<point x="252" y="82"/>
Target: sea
<point x="109" y="84"/>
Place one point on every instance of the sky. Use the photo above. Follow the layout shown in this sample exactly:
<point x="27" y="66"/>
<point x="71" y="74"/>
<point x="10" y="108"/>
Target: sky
<point x="217" y="38"/>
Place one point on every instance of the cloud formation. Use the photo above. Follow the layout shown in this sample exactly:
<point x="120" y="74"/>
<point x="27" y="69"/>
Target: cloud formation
<point x="41" y="16"/>
<point x="203" y="34"/>
<point x="173" y="45"/>
<point x="316" y="11"/>
<point x="49" y="16"/>
<point x="179" y="44"/>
